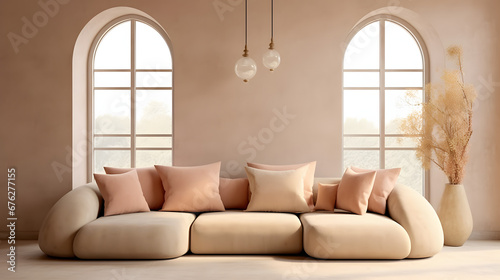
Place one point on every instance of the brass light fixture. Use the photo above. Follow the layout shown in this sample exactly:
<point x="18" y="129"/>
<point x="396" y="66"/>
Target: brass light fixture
<point x="271" y="58"/>
<point x="245" y="67"/>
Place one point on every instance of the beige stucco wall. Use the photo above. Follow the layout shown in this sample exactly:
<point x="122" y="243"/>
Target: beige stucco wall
<point x="214" y="112"/>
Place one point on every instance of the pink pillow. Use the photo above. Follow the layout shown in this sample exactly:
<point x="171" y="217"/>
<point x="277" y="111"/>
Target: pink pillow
<point x="122" y="193"/>
<point x="308" y="179"/>
<point x="191" y="189"/>
<point x="354" y="191"/>
<point x="234" y="193"/>
<point x="150" y="183"/>
<point x="327" y="195"/>
<point x="385" y="181"/>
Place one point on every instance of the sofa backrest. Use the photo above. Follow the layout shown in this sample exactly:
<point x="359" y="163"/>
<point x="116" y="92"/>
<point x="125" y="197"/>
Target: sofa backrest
<point x="323" y="180"/>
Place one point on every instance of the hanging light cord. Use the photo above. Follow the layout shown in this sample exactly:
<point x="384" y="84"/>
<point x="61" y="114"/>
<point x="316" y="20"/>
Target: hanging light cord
<point x="271" y="45"/>
<point x="245" y="51"/>
<point x="272" y="19"/>
<point x="246" y="32"/>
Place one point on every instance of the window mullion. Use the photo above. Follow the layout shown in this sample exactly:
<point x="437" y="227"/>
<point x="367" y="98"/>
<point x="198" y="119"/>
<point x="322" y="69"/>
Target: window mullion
<point x="132" y="94"/>
<point x="90" y="125"/>
<point x="382" y="93"/>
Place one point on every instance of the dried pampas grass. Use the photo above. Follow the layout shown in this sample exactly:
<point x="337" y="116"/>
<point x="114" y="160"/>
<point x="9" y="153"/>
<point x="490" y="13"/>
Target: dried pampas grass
<point x="445" y="122"/>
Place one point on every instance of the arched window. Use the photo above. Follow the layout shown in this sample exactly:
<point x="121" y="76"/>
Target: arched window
<point x="385" y="58"/>
<point x="130" y="112"/>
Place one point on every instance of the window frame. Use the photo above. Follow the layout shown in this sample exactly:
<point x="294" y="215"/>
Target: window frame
<point x="382" y="88"/>
<point x="133" y="91"/>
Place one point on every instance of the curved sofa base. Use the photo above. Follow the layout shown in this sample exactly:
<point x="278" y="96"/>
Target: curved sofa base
<point x="351" y="236"/>
<point x="416" y="215"/>
<point x="73" y="228"/>
<point x="74" y="210"/>
<point x="147" y="235"/>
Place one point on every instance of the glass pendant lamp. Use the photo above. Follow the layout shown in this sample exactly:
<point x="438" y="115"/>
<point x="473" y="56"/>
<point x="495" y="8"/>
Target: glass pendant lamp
<point x="245" y="67"/>
<point x="271" y="58"/>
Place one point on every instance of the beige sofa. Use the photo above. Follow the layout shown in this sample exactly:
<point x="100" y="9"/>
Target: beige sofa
<point x="75" y="227"/>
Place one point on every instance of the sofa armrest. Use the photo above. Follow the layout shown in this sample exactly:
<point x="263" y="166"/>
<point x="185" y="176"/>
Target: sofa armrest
<point x="74" y="210"/>
<point x="417" y="216"/>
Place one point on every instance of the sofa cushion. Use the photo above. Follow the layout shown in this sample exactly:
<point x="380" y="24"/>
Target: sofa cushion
<point x="354" y="191"/>
<point x="238" y="232"/>
<point x="122" y="193"/>
<point x="149" y="235"/>
<point x="322" y="180"/>
<point x="385" y="180"/>
<point x="151" y="185"/>
<point x="351" y="236"/>
<point x="308" y="178"/>
<point x="234" y="193"/>
<point x="327" y="196"/>
<point x="277" y="191"/>
<point x="191" y="188"/>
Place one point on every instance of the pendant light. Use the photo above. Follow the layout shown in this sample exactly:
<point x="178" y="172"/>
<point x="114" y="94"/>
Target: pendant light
<point x="271" y="58"/>
<point x="245" y="67"/>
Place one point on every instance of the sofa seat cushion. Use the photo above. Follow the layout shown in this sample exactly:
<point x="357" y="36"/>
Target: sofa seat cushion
<point x="148" y="235"/>
<point x="344" y="235"/>
<point x="238" y="232"/>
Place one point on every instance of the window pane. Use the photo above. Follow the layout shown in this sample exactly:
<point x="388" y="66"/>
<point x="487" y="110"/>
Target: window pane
<point x="154" y="142"/>
<point x="149" y="158"/>
<point x="363" y="49"/>
<point x="361" y="108"/>
<point x="401" y="142"/>
<point x="362" y="142"/>
<point x="112" y="142"/>
<point x="111" y="79"/>
<point x="112" y="111"/>
<point x="399" y="105"/>
<point x="411" y="168"/>
<point x="154" y="79"/>
<point x="361" y="79"/>
<point x="154" y="111"/>
<point x="404" y="79"/>
<point x="110" y="158"/>
<point x="401" y="49"/>
<point x="361" y="111"/>
<point x="113" y="52"/>
<point x="152" y="50"/>
<point x="362" y="159"/>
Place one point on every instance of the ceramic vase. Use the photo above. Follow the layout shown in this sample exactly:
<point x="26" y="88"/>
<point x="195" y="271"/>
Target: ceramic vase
<point x="455" y="215"/>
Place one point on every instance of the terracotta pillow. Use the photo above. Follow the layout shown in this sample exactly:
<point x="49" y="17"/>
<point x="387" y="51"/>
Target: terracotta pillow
<point x="385" y="181"/>
<point x="308" y="179"/>
<point x="327" y="195"/>
<point x="191" y="189"/>
<point x="277" y="191"/>
<point x="234" y="193"/>
<point x="354" y="191"/>
<point x="150" y="183"/>
<point x="122" y="193"/>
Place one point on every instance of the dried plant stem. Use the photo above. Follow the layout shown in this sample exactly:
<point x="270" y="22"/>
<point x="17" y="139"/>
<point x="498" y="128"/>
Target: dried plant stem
<point x="445" y="122"/>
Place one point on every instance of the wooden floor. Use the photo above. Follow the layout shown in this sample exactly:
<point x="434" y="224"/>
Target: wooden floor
<point x="475" y="260"/>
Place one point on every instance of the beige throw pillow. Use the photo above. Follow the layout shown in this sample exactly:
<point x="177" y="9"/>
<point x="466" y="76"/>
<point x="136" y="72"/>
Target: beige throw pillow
<point x="308" y="178"/>
<point x="354" y="191"/>
<point x="191" y="189"/>
<point x="277" y="191"/>
<point x="122" y="193"/>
